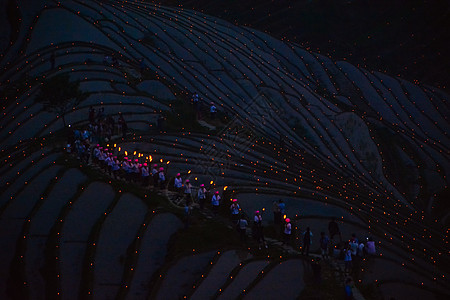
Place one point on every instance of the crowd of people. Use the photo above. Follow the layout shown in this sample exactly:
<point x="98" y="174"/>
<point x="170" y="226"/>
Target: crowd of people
<point x="198" y="105"/>
<point x="140" y="170"/>
<point x="101" y="128"/>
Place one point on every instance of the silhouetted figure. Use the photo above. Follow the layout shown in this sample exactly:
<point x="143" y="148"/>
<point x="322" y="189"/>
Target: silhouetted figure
<point x="201" y="196"/>
<point x="123" y="125"/>
<point x="52" y="60"/>
<point x="213" y="111"/>
<point x="324" y="240"/>
<point x="317" y="271"/>
<point x="242" y="227"/>
<point x="91" y="115"/>
<point x="333" y="229"/>
<point x="160" y="122"/>
<point x="276" y="213"/>
<point x="307" y="235"/>
<point x="281" y="141"/>
<point x="348" y="289"/>
<point x="187" y="214"/>
<point x="142" y="66"/>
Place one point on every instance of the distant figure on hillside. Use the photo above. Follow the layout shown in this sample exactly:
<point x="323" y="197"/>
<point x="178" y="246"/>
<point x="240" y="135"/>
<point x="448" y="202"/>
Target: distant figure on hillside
<point x="114" y="61"/>
<point x="201" y="196"/>
<point x="333" y="229"/>
<point x="196" y="104"/>
<point x="100" y="114"/>
<point x="195" y="100"/>
<point x="242" y="227"/>
<point x="324" y="240"/>
<point x="145" y="174"/>
<point x="187" y="192"/>
<point x="178" y="183"/>
<point x="282" y="207"/>
<point x="258" y="232"/>
<point x="106" y="59"/>
<point x="155" y="175"/>
<point x="353" y="245"/>
<point x="213" y="111"/>
<point x="281" y="141"/>
<point x="52" y="60"/>
<point x="187" y="214"/>
<point x="370" y="247"/>
<point x="142" y="66"/>
<point x="234" y="210"/>
<point x="160" y="122"/>
<point x="347" y="259"/>
<point x="307" y="241"/>
<point x="317" y="270"/>
<point x="348" y="289"/>
<point x="122" y="125"/>
<point x="91" y="114"/>
<point x="115" y="167"/>
<point x="361" y="250"/>
<point x="161" y="178"/>
<point x="287" y="231"/>
<point x="215" y="202"/>
<point x="276" y="213"/>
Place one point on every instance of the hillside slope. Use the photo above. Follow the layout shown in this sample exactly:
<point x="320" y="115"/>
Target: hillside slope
<point x="331" y="138"/>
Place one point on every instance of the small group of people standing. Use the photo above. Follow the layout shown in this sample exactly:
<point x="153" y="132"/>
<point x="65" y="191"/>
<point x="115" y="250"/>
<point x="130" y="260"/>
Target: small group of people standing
<point x="197" y="104"/>
<point x="242" y="224"/>
<point x="105" y="126"/>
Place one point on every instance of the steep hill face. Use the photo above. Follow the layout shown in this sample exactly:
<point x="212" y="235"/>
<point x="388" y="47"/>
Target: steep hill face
<point x="335" y="139"/>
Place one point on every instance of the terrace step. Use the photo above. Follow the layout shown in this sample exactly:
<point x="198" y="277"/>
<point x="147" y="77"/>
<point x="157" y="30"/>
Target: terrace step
<point x="219" y="274"/>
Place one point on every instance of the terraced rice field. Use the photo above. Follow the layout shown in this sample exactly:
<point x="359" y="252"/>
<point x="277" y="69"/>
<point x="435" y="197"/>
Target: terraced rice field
<point x="329" y="138"/>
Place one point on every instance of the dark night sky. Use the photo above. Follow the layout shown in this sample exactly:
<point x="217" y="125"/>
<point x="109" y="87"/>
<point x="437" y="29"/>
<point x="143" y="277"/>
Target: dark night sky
<point x="402" y="37"/>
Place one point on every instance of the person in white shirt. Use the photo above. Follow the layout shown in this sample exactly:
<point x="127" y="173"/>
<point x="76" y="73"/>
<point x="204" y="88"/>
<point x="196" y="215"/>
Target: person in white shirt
<point x="178" y="183"/>
<point x="234" y="209"/>
<point x="155" y="175"/>
<point x="145" y="174"/>
<point x="201" y="195"/>
<point x="187" y="192"/>
<point x="115" y="167"/>
<point x="215" y="202"/>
